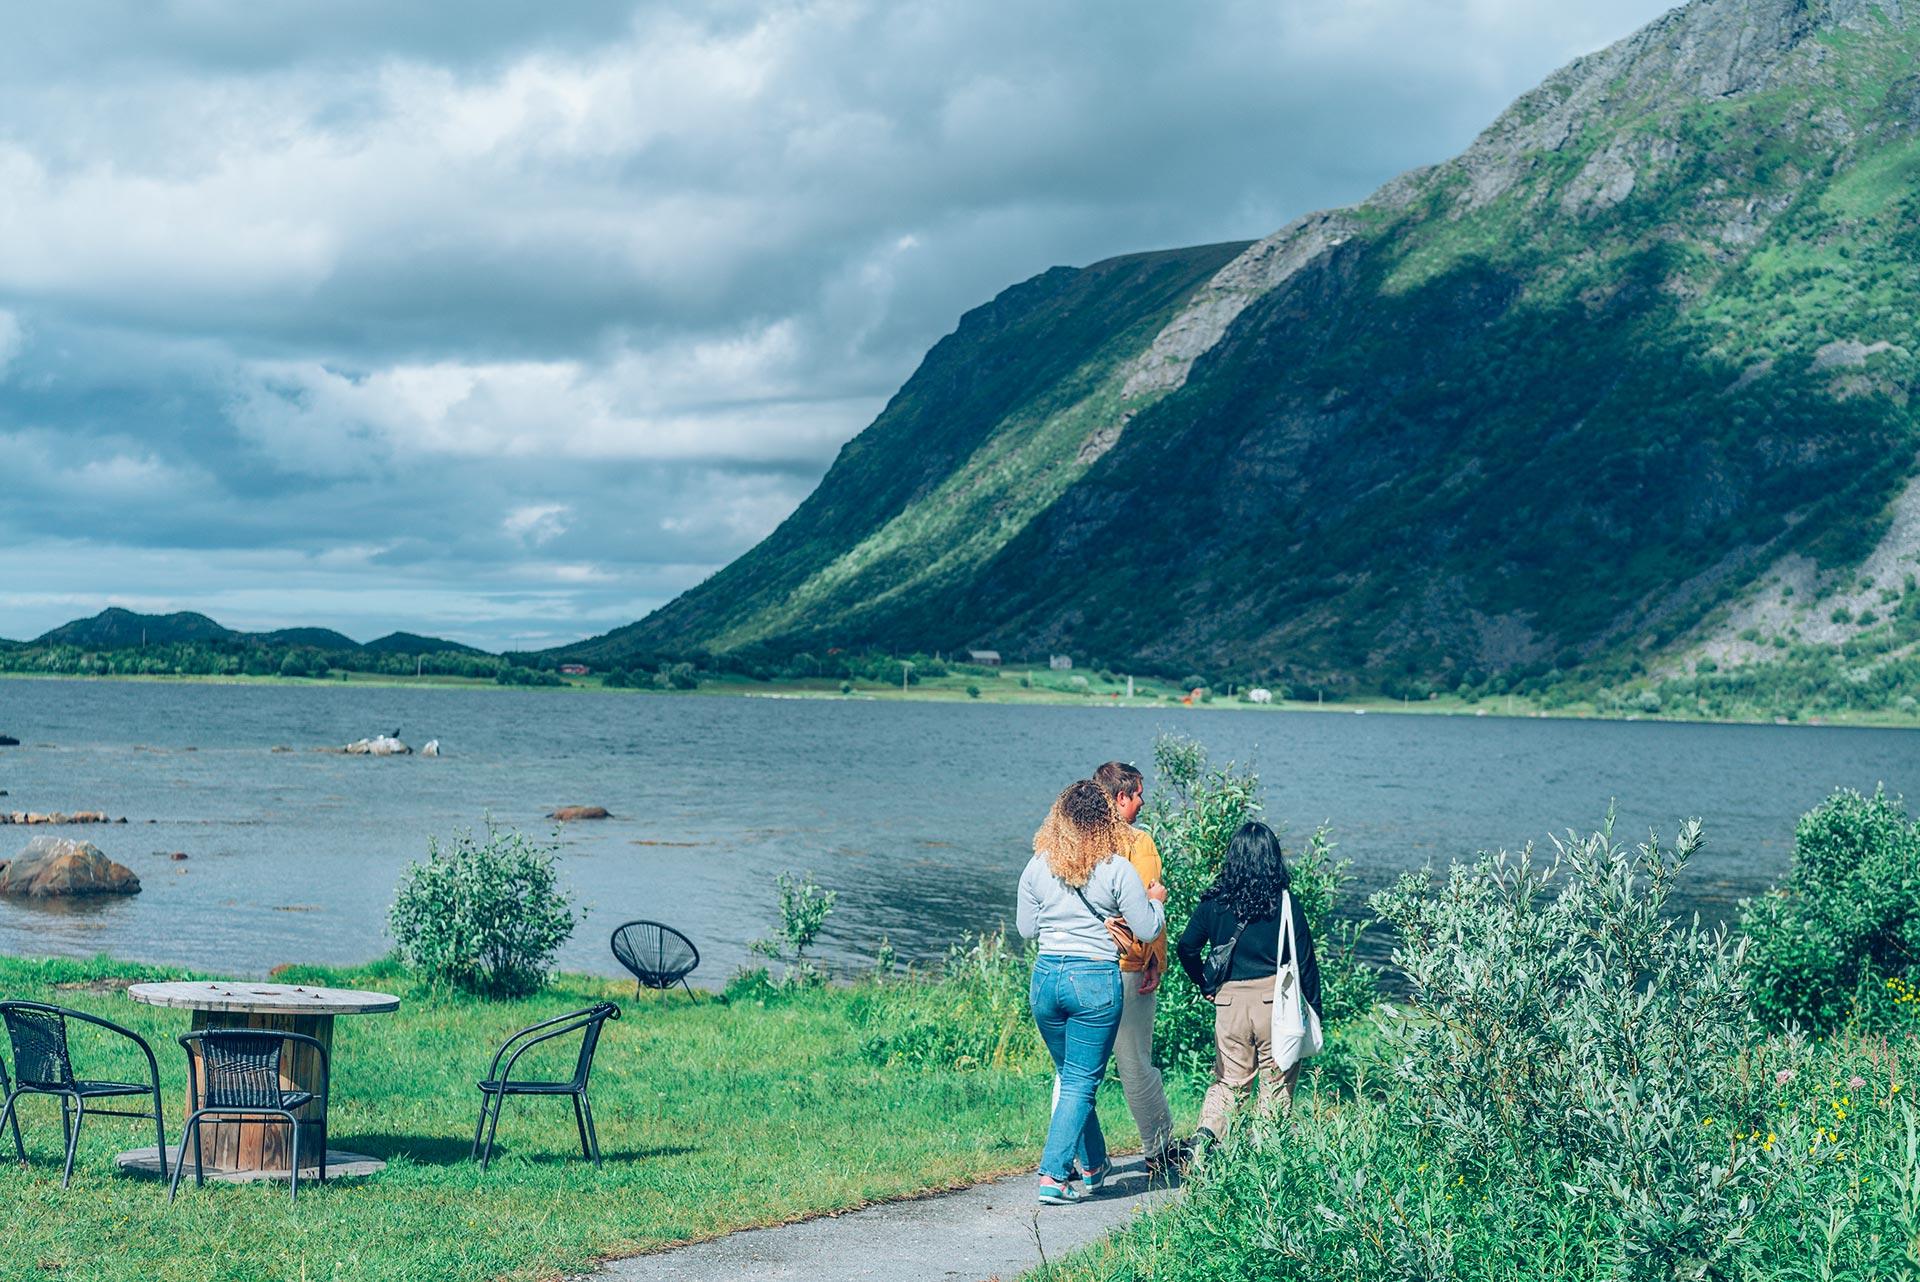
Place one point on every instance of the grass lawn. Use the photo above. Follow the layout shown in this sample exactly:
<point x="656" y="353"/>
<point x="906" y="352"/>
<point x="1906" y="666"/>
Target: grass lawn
<point x="712" y="1117"/>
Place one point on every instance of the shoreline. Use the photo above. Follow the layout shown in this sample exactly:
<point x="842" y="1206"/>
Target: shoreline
<point x="954" y="690"/>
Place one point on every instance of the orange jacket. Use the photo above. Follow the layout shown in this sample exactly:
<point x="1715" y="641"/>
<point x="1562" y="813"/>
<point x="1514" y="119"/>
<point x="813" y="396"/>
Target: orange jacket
<point x="1145" y="858"/>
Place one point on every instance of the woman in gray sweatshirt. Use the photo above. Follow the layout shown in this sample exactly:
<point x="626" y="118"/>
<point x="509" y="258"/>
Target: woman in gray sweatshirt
<point x="1070" y="887"/>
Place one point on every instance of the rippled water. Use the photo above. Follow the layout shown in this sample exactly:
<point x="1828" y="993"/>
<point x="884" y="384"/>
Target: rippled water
<point x="918" y="814"/>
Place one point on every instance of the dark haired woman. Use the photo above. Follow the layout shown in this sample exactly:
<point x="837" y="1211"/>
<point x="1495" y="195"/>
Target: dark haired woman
<point x="1241" y="911"/>
<point x="1071" y="886"/>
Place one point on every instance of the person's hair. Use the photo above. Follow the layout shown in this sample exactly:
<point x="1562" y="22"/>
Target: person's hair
<point x="1078" y="833"/>
<point x="1118" y="779"/>
<point x="1252" y="875"/>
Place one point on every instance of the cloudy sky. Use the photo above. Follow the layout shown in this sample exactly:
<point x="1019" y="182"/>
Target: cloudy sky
<point x="507" y="322"/>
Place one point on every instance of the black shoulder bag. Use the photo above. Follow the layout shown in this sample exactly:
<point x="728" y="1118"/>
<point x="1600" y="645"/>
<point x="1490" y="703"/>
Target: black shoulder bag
<point x="1219" y="964"/>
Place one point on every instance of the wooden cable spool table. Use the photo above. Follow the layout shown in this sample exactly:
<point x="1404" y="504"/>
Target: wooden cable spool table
<point x="247" y="1148"/>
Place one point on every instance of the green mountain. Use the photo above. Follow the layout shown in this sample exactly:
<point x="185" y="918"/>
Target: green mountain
<point x="118" y="629"/>
<point x="318" y="638"/>
<point x="413" y="643"/>
<point x="1622" y="389"/>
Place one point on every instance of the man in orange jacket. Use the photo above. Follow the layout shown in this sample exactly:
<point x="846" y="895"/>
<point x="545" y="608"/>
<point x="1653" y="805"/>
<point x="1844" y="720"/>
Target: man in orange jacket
<point x="1142" y="967"/>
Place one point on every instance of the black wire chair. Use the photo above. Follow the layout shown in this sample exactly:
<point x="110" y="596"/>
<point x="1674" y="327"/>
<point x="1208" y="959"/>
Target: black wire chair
<point x="43" y="1065"/>
<point x="499" y="1083"/>
<point x="243" y="1077"/>
<point x="658" y="955"/>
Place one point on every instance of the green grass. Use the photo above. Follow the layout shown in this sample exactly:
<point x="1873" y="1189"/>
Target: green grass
<point x="712" y="1117"/>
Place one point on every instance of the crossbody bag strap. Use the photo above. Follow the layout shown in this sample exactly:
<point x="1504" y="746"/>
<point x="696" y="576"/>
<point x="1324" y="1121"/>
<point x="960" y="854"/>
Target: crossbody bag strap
<point x="1098" y="915"/>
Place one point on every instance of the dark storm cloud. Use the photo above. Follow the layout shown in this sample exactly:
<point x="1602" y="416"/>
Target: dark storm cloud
<point x="510" y="321"/>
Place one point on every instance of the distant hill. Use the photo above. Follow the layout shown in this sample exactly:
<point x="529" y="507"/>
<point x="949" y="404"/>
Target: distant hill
<point x="319" y="638"/>
<point x="1623" y="392"/>
<point x="118" y="629"/>
<point x="413" y="643"/>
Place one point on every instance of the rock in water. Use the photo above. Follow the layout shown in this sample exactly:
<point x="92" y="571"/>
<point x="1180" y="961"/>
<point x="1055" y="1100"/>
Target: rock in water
<point x="8" y="741"/>
<point x="60" y="867"/>
<point x="380" y="745"/>
<point x="568" y="814"/>
<point x="432" y="749"/>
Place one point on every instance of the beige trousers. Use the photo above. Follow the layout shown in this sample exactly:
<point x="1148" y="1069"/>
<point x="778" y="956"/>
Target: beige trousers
<point x="1133" y="1062"/>
<point x="1243" y="1048"/>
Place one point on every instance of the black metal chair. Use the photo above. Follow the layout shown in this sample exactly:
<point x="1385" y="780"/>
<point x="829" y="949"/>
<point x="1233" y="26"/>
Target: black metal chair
<point x="499" y="1083"/>
<point x="243" y="1077"/>
<point x="43" y="1065"/>
<point x="658" y="955"/>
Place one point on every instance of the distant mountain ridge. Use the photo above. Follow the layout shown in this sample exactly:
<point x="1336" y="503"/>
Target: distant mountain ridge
<point x="1624" y="389"/>
<point x="119" y="629"/>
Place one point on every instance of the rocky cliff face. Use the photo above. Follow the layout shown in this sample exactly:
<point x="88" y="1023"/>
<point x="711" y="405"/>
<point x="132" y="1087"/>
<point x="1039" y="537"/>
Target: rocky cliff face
<point x="1565" y="401"/>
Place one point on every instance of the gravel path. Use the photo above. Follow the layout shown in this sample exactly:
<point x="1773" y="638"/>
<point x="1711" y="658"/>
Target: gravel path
<point x="992" y="1230"/>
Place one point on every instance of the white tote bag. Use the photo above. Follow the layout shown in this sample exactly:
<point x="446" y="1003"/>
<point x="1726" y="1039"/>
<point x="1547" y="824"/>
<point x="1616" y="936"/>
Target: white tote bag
<point x="1296" y="1026"/>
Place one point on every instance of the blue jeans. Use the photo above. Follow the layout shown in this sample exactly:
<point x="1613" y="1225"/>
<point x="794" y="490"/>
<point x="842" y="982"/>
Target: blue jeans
<point x="1076" y="1002"/>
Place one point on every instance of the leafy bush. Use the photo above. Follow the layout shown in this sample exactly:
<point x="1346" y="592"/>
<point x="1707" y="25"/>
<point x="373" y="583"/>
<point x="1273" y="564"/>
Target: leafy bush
<point x="1192" y="813"/>
<point x="1846" y="920"/>
<point x="483" y="917"/>
<point x="1578" y="1088"/>
<point x="804" y="909"/>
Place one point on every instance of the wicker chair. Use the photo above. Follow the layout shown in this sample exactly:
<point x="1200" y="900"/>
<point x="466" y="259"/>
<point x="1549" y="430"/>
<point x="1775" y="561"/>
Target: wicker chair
<point x="43" y="1065"/>
<point x="243" y="1077"/>
<point x="658" y="955"/>
<point x="499" y="1083"/>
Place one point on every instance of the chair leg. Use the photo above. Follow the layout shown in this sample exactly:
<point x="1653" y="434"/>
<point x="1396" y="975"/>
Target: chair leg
<point x="689" y="987"/>
<point x="493" y="1128"/>
<point x="12" y="1117"/>
<point x="480" y="1127"/>
<point x="160" y="1133"/>
<point x="190" y="1127"/>
<point x="586" y="1104"/>
<point x="580" y="1124"/>
<point x="73" y="1137"/>
<point x="199" y="1171"/>
<point x="293" y="1171"/>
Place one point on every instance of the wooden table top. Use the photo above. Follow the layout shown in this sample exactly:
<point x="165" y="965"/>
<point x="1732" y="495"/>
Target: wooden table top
<point x="263" y="999"/>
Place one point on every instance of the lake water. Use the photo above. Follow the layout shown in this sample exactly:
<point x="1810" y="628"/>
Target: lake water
<point x="918" y="814"/>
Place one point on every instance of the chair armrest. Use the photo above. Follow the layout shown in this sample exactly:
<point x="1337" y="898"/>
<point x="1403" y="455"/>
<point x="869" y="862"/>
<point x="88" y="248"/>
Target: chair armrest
<point x="153" y="1065"/>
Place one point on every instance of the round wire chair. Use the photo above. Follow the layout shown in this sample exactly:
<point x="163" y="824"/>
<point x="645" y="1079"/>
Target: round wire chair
<point x="657" y="955"/>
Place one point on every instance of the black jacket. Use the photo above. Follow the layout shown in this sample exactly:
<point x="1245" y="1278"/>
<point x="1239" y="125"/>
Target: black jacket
<point x="1213" y="924"/>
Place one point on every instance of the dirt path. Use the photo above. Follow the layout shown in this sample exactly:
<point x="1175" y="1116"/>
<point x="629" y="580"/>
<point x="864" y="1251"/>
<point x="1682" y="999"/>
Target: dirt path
<point x="992" y="1230"/>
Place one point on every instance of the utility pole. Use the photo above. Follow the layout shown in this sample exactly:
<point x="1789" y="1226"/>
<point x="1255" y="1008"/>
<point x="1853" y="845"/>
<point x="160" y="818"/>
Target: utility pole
<point x="1129" y="685"/>
<point x="419" y="665"/>
<point x="906" y="666"/>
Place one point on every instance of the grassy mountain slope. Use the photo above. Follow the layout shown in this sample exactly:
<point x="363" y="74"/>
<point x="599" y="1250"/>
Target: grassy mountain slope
<point x="1569" y="402"/>
<point x="414" y="643"/>
<point x="988" y="430"/>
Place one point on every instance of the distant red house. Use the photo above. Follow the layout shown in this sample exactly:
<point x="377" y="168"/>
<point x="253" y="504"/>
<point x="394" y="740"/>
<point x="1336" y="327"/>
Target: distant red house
<point x="573" y="669"/>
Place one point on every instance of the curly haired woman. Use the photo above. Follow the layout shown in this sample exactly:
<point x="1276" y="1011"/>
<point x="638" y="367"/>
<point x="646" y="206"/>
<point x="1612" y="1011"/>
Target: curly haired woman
<point x="1071" y="886"/>
<point x="1239" y="917"/>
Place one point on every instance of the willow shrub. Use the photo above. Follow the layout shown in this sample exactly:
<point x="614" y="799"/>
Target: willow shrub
<point x="1847" y="918"/>
<point x="975" y="1016"/>
<point x="1193" y="813"/>
<point x="485" y="916"/>
<point x="1577" y="1086"/>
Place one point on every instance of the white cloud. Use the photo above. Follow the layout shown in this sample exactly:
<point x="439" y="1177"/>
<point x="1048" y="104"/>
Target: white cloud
<point x="12" y="339"/>
<point x="537" y="523"/>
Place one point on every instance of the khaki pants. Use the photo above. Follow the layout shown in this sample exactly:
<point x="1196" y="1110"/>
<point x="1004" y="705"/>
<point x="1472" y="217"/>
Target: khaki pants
<point x="1243" y="1048"/>
<point x="1133" y="1060"/>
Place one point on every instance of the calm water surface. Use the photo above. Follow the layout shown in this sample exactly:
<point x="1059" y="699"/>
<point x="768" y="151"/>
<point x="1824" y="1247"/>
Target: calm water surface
<point x="918" y="814"/>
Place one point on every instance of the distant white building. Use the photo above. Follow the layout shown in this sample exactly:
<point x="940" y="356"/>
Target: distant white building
<point x="1259" y="695"/>
<point x="985" y="658"/>
<point x="1060" y="662"/>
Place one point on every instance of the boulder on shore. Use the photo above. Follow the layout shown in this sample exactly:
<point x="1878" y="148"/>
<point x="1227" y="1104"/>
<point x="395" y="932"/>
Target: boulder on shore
<point x="380" y="745"/>
<point x="568" y="814"/>
<point x="60" y="867"/>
